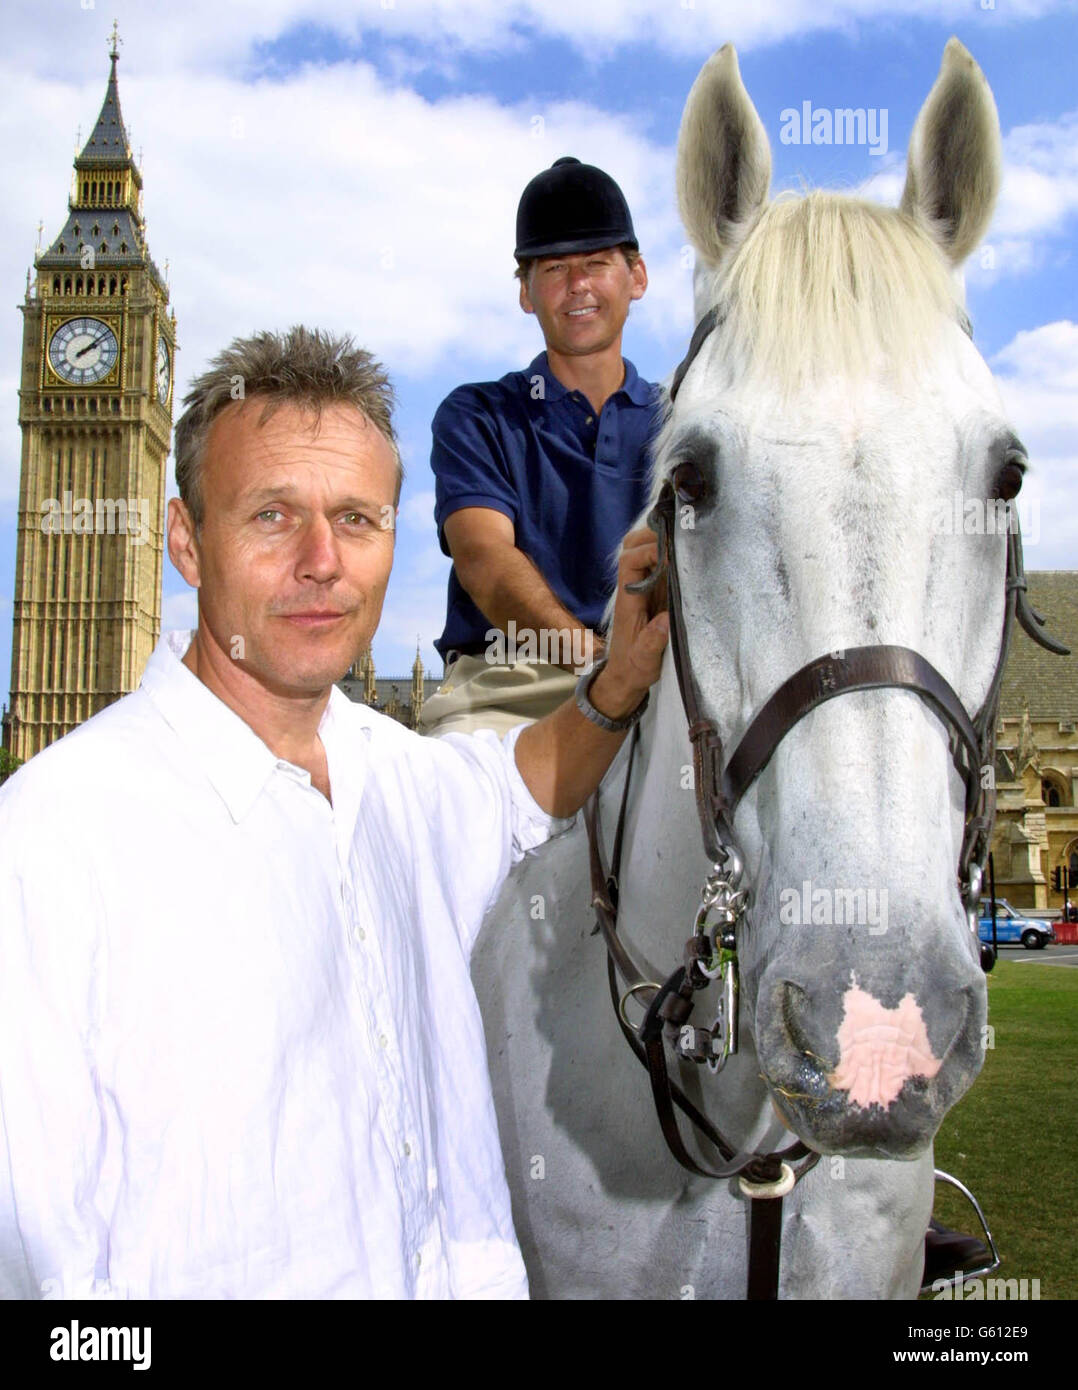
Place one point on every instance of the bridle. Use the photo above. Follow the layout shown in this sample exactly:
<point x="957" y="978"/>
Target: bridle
<point x="720" y="783"/>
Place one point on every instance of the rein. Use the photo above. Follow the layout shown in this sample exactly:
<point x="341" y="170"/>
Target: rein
<point x="720" y="784"/>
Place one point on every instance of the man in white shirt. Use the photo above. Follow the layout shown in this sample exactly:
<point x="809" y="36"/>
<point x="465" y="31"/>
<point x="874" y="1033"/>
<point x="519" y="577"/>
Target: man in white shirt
<point x="240" y="1054"/>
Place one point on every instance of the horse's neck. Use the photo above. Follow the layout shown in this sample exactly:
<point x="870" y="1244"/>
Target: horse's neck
<point x="663" y="868"/>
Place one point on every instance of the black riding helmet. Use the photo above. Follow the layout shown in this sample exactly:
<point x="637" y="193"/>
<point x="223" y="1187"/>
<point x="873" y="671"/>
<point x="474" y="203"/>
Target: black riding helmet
<point x="572" y="207"/>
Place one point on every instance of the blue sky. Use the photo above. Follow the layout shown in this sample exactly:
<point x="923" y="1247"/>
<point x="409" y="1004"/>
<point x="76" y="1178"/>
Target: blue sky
<point x="357" y="166"/>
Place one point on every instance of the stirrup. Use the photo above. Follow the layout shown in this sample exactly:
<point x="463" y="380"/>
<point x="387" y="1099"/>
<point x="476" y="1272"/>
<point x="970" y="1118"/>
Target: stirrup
<point x="990" y="1268"/>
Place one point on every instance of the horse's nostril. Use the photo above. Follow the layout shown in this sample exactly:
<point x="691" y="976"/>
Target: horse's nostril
<point x="793" y="999"/>
<point x="875" y="1051"/>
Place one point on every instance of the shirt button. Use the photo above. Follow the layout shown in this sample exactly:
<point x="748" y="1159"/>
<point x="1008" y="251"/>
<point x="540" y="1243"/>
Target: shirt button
<point x="407" y="1150"/>
<point x="418" y="1257"/>
<point x="361" y="934"/>
<point x="383" y="1041"/>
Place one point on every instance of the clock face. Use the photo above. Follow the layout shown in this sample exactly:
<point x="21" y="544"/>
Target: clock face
<point x="83" y="351"/>
<point x="164" y="371"/>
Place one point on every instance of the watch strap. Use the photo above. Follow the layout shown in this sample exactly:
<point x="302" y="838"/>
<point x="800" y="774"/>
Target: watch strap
<point x="588" y="710"/>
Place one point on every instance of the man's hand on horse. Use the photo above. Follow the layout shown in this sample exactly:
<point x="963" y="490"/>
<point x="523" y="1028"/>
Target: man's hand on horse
<point x="637" y="641"/>
<point x="562" y="758"/>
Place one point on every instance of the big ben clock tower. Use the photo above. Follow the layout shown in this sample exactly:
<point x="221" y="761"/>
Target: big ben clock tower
<point x="95" y="406"/>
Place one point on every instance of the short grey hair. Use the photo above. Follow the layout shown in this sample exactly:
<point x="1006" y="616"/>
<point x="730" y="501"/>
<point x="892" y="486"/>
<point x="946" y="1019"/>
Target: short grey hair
<point x="305" y="367"/>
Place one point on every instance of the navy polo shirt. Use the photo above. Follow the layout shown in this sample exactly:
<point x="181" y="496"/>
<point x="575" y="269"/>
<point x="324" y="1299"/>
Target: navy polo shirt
<point x="571" y="482"/>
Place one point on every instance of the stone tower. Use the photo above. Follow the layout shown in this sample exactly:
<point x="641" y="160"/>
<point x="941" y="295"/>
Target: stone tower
<point x="95" y="406"/>
<point x="365" y="673"/>
<point x="417" y="686"/>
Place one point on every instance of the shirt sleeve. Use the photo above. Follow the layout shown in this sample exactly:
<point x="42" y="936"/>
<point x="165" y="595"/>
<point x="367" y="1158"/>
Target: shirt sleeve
<point x="494" y="822"/>
<point x="53" y="1237"/>
<point x="469" y="464"/>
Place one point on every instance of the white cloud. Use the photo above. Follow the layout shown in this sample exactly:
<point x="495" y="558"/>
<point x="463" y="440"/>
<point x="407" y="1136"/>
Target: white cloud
<point x="1038" y="375"/>
<point x="1040" y="189"/>
<point x="198" y="35"/>
<point x="1038" y="197"/>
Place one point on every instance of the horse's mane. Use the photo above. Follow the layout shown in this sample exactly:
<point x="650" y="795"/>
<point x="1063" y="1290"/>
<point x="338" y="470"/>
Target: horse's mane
<point x="830" y="285"/>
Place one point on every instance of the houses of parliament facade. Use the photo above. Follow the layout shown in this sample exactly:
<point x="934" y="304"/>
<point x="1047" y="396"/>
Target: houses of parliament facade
<point x="96" y="409"/>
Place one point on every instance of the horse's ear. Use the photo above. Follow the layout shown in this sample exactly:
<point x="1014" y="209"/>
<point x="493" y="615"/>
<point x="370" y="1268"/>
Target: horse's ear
<point x="955" y="157"/>
<point x="723" y="159"/>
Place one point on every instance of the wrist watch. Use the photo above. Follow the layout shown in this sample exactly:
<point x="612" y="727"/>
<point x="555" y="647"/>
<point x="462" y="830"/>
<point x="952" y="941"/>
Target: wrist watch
<point x="588" y="710"/>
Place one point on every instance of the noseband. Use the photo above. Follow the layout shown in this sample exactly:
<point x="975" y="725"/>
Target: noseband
<point x="720" y="783"/>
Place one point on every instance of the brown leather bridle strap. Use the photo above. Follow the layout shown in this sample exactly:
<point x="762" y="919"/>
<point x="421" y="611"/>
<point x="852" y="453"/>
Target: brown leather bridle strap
<point x="856" y="668"/>
<point x="706" y="744"/>
<point x="719" y="787"/>
<point x="765" y="1247"/>
<point x="649" y="1047"/>
<point x="605" y="909"/>
<point x="700" y="333"/>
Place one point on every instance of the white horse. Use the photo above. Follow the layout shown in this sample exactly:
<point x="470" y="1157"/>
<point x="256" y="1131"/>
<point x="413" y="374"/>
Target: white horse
<point x="819" y="438"/>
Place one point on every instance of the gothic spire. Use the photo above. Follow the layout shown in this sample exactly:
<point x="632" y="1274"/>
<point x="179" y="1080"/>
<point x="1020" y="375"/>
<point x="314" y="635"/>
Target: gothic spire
<point x="108" y="142"/>
<point x="105" y="206"/>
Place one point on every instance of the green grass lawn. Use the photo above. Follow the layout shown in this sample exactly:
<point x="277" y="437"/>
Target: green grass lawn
<point x="1013" y="1140"/>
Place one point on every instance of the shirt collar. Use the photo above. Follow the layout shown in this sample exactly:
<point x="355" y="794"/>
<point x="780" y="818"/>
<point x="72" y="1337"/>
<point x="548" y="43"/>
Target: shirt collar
<point x="234" y="759"/>
<point x="639" y="391"/>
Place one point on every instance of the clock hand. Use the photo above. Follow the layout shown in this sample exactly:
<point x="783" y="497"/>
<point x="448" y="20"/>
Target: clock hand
<point x="83" y="351"/>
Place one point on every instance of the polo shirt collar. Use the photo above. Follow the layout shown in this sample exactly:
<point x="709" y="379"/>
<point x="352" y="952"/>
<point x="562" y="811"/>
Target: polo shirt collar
<point x="234" y="759"/>
<point x="638" y="390"/>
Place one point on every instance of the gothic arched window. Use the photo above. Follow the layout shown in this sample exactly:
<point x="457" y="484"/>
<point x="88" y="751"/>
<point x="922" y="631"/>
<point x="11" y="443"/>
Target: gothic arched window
<point x="1053" y="790"/>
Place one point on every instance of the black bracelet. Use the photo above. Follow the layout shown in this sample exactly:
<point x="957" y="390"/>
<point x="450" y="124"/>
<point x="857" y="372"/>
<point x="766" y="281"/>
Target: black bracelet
<point x="588" y="710"/>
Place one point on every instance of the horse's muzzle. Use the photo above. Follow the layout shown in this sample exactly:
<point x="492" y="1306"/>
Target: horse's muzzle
<point x="855" y="1074"/>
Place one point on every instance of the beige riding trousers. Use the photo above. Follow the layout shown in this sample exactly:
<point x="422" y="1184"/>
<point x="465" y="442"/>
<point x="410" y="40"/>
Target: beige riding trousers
<point x="478" y="694"/>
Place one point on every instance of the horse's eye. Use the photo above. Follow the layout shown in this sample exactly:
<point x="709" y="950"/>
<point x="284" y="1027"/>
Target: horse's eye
<point x="1010" y="477"/>
<point x="689" y="483"/>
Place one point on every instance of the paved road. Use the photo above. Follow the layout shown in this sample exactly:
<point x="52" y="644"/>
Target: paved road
<point x="1051" y="955"/>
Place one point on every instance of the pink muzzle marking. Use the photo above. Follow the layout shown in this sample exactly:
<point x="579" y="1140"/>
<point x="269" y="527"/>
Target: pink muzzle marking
<point x="880" y="1049"/>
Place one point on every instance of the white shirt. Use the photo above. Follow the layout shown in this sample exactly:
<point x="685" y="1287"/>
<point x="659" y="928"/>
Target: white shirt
<point x="240" y="1051"/>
